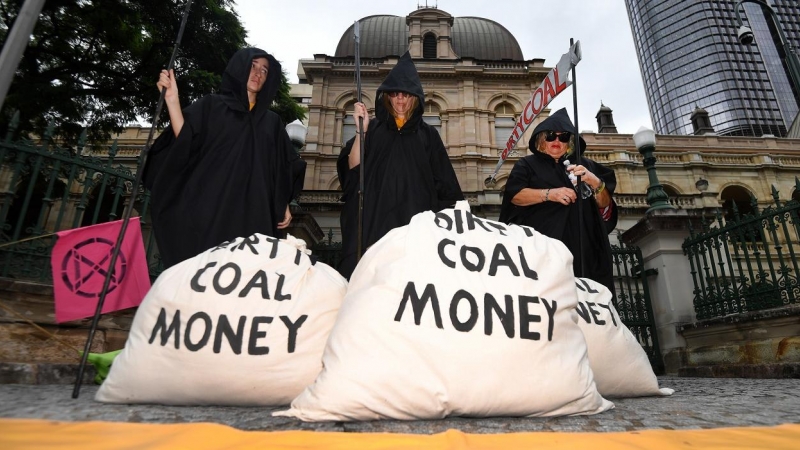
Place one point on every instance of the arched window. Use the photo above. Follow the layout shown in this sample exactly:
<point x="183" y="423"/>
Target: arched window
<point x="672" y="193"/>
<point x="504" y="121"/>
<point x="669" y="190"/>
<point x="348" y="124"/>
<point x="741" y="198"/>
<point x="736" y="195"/>
<point x="429" y="46"/>
<point x="431" y="116"/>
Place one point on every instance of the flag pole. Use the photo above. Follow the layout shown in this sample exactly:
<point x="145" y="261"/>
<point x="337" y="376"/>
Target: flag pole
<point x="128" y="211"/>
<point x="577" y="135"/>
<point x="359" y="245"/>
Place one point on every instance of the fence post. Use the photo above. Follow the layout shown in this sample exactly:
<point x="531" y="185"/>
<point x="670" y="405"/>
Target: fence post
<point x="660" y="235"/>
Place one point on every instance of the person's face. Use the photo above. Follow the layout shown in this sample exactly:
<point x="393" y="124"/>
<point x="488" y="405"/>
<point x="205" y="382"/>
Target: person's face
<point x="401" y="102"/>
<point x="258" y="74"/>
<point x="553" y="143"/>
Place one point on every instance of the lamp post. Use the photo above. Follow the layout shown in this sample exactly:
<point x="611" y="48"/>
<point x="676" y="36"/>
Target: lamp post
<point x="745" y="35"/>
<point x="708" y="200"/>
<point x="297" y="134"/>
<point x="645" y="141"/>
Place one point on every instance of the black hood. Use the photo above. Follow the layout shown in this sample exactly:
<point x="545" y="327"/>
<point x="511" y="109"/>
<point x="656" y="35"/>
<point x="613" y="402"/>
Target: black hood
<point x="234" y="80"/>
<point x="558" y="121"/>
<point x="402" y="78"/>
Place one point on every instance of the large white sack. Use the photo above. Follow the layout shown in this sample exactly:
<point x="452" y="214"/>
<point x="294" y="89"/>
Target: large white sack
<point x="393" y="355"/>
<point x="620" y="365"/>
<point x="244" y="323"/>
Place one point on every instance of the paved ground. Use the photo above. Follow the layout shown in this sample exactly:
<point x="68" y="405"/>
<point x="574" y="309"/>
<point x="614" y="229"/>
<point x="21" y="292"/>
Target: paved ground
<point x="697" y="403"/>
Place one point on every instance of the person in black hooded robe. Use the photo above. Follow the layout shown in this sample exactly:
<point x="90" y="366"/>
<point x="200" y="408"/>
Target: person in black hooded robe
<point x="539" y="194"/>
<point x="225" y="167"/>
<point x="406" y="166"/>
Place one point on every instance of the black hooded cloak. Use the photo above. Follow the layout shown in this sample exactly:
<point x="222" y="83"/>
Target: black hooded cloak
<point x="555" y="220"/>
<point x="230" y="172"/>
<point x="406" y="171"/>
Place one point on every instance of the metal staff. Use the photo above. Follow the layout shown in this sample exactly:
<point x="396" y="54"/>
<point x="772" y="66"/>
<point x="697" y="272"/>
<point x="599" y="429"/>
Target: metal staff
<point x="577" y="135"/>
<point x="359" y="249"/>
<point x="126" y="216"/>
<point x="16" y="41"/>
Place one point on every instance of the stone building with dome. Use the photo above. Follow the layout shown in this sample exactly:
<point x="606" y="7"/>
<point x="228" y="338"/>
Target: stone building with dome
<point x="476" y="82"/>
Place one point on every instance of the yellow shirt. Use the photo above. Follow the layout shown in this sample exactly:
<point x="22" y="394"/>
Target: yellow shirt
<point x="400" y="122"/>
<point x="252" y="105"/>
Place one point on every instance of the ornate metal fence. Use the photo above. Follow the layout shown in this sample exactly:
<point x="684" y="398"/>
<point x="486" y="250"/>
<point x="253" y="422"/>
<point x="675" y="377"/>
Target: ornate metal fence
<point x="632" y="300"/>
<point x="746" y="262"/>
<point x="45" y="189"/>
<point x="328" y="251"/>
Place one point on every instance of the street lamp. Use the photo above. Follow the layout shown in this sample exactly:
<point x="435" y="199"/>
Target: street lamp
<point x="645" y="141"/>
<point x="297" y="134"/>
<point x="746" y="37"/>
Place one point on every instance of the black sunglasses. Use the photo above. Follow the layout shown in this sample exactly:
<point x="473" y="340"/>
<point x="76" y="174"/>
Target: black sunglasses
<point x="563" y="136"/>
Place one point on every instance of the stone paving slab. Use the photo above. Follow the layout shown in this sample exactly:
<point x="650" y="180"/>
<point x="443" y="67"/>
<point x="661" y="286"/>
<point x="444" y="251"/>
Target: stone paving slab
<point x="697" y="403"/>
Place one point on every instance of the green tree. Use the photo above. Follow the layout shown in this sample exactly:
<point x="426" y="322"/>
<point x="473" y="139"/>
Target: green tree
<point x="94" y="63"/>
<point x="284" y="105"/>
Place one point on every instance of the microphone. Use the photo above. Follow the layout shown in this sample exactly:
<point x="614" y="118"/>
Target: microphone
<point x="585" y="191"/>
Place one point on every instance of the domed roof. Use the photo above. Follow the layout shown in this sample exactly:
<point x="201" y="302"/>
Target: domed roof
<point x="480" y="38"/>
<point x="472" y="37"/>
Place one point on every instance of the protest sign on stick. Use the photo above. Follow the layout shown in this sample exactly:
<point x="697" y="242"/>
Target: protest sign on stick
<point x="553" y="84"/>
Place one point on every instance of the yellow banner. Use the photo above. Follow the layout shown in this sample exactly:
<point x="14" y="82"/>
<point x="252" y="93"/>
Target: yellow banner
<point x="42" y="434"/>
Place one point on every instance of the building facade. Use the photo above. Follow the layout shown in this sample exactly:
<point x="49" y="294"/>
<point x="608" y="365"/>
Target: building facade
<point x="473" y="98"/>
<point x="690" y="57"/>
<point x="476" y="83"/>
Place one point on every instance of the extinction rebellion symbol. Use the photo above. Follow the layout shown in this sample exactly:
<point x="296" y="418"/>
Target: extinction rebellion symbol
<point x="85" y="266"/>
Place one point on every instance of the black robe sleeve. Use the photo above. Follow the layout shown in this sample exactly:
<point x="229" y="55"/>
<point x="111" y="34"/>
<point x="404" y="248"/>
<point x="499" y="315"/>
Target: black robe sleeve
<point x="169" y="152"/>
<point x="348" y="217"/>
<point x="610" y="179"/>
<point x="348" y="178"/>
<point x="295" y="168"/>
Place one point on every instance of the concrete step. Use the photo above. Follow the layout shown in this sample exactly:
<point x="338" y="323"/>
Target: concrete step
<point x="43" y="373"/>
<point x="778" y="370"/>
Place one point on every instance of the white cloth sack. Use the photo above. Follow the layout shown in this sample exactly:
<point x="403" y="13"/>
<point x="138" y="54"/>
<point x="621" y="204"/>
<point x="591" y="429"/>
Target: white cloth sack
<point x="244" y="323"/>
<point x="620" y="365"/>
<point x="394" y="355"/>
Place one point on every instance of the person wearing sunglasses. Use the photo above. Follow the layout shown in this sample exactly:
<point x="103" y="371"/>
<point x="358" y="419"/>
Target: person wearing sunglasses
<point x="224" y="167"/>
<point x="540" y="194"/>
<point x="406" y="166"/>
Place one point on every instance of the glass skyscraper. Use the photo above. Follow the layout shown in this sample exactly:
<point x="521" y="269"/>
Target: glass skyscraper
<point x="690" y="57"/>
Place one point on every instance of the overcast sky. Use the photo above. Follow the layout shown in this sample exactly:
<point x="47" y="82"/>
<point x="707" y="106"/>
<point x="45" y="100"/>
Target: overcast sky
<point x="608" y="72"/>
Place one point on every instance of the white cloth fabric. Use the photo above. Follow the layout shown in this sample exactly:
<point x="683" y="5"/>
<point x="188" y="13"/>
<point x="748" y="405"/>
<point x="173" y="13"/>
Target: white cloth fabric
<point x="244" y="323"/>
<point x="454" y="315"/>
<point x="620" y="365"/>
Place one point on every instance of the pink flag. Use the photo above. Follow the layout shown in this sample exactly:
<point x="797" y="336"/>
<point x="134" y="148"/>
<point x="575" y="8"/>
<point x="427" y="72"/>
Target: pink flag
<point x="80" y="261"/>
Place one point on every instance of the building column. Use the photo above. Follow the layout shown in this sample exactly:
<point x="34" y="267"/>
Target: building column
<point x="660" y="237"/>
